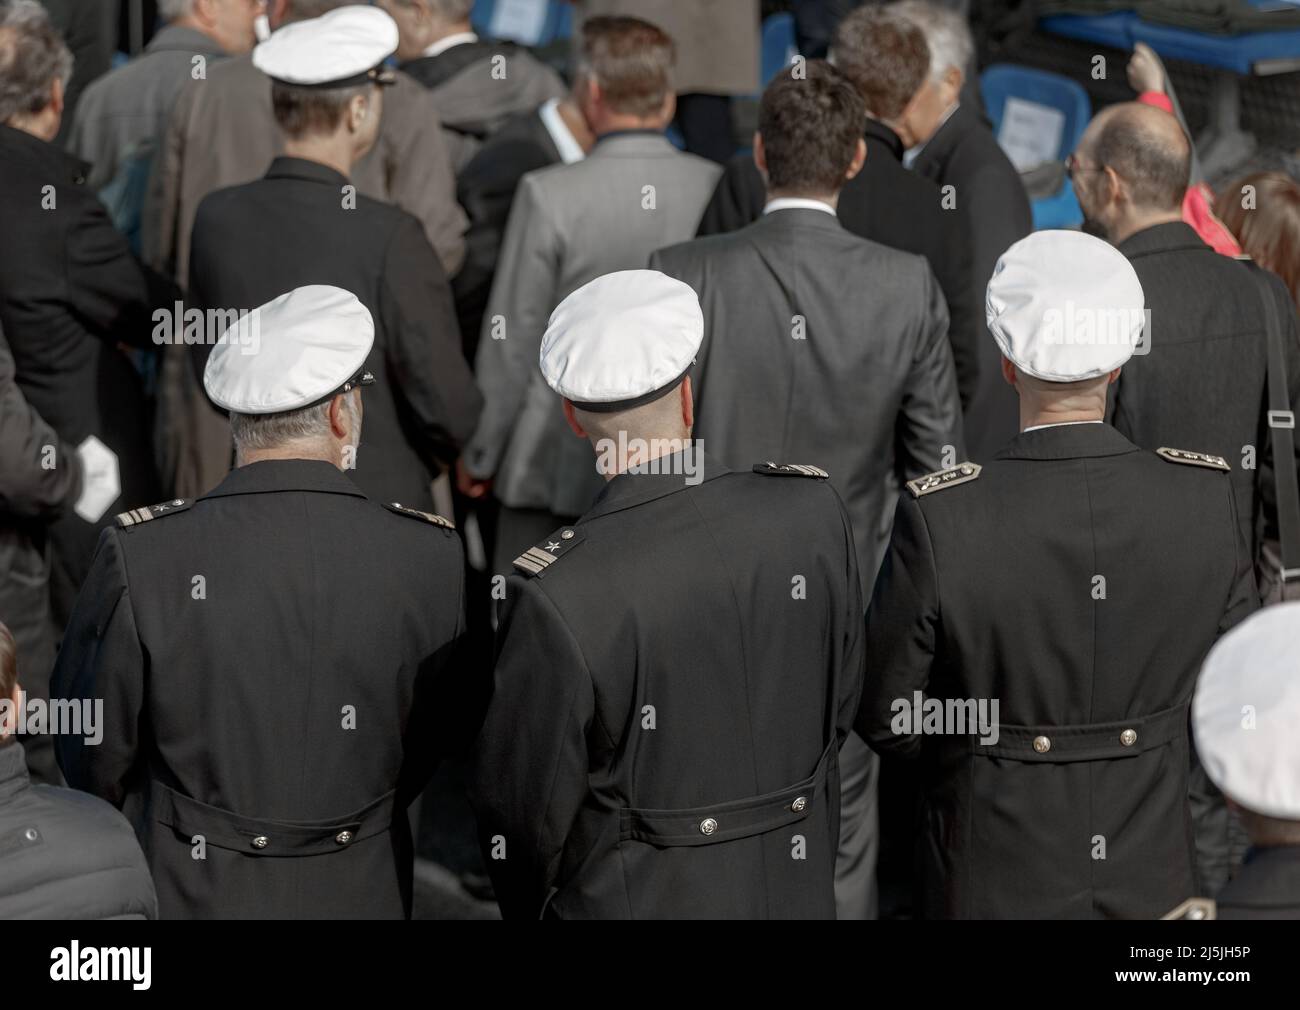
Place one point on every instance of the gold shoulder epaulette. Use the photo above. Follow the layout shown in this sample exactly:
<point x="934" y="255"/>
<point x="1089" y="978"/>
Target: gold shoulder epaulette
<point x="428" y="517"/>
<point x="940" y="479"/>
<point x="142" y="515"/>
<point x="1194" y="458"/>
<point x="790" y="470"/>
<point x="1193" y="908"/>
<point x="542" y="555"/>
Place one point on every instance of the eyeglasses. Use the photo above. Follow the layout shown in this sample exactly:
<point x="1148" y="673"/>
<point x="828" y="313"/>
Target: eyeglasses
<point x="1073" y="167"/>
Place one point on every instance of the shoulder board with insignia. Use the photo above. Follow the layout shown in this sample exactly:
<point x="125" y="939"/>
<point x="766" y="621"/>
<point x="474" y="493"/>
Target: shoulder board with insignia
<point x="428" y="517"/>
<point x="1193" y="908"/>
<point x="790" y="470"/>
<point x="545" y="553"/>
<point x="1194" y="458"/>
<point x="940" y="479"/>
<point x="143" y="515"/>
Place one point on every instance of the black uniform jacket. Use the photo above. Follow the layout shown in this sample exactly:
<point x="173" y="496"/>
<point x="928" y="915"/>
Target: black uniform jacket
<point x="271" y="659"/>
<point x="889" y="204"/>
<point x="670" y="698"/>
<point x="1078" y="582"/>
<point x="1267" y="886"/>
<point x="298" y="225"/>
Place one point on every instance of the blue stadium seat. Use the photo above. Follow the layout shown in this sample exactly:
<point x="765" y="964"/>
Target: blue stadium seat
<point x="556" y="24"/>
<point x="1003" y="81"/>
<point x="778" y="46"/>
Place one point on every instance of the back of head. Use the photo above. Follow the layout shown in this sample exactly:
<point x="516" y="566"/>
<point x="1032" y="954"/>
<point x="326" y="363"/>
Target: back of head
<point x="32" y="58"/>
<point x="631" y="60"/>
<point x="946" y="32"/>
<point x="810" y="127"/>
<point x="1148" y="150"/>
<point x="1263" y="212"/>
<point x="885" y="56"/>
<point x="301" y="10"/>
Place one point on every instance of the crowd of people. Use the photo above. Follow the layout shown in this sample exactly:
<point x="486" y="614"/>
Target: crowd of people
<point x="768" y="529"/>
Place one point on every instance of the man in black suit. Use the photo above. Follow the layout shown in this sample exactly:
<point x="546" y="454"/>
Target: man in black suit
<point x="72" y="296"/>
<point x="319" y="230"/>
<point x="1038" y="624"/>
<point x="1204" y="379"/>
<point x="870" y="358"/>
<point x="886" y="57"/>
<point x="555" y="132"/>
<point x="951" y="145"/>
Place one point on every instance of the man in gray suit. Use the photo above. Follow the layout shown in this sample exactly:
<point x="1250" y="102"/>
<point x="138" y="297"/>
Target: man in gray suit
<point x="823" y="348"/>
<point x="569" y="224"/>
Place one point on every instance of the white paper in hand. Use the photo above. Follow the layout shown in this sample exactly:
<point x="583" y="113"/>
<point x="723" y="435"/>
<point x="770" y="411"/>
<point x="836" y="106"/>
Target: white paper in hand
<point x="100" y="484"/>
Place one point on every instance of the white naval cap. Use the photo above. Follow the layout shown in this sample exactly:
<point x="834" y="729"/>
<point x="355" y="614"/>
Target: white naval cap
<point x="296" y="350"/>
<point x="622" y="340"/>
<point x="1064" y="306"/>
<point x="1246" y="712"/>
<point x="339" y="49"/>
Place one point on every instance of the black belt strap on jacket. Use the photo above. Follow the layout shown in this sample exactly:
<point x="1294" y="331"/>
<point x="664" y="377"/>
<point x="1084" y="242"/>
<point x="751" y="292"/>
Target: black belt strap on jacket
<point x="1281" y="426"/>
<point x="724" y="822"/>
<point x="1099" y="741"/>
<point x="262" y="837"/>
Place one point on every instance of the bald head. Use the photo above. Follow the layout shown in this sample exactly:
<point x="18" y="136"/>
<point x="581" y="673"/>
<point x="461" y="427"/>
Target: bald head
<point x="1146" y="148"/>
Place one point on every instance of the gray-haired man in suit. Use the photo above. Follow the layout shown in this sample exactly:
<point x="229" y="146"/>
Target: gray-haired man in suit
<point x="570" y="224"/>
<point x="825" y="347"/>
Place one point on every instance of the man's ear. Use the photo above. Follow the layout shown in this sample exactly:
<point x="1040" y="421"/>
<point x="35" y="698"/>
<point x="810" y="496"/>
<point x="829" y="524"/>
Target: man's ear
<point x="1113" y="377"/>
<point x="358" y="111"/>
<point x="954" y="78"/>
<point x="1113" y="183"/>
<point x="337" y="413"/>
<point x="56" y="97"/>
<point x="1008" y="372"/>
<point x="688" y="404"/>
<point x="572" y="418"/>
<point x="760" y="155"/>
<point x="859" y="159"/>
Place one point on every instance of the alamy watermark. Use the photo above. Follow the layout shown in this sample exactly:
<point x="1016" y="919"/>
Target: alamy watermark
<point x="918" y="716"/>
<point x="684" y="456"/>
<point x="179" y="325"/>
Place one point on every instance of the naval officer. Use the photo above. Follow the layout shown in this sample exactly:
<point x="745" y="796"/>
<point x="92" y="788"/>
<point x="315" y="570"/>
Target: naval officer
<point x="304" y="223"/>
<point x="1048" y="613"/>
<point x="271" y="657"/>
<point x="680" y="666"/>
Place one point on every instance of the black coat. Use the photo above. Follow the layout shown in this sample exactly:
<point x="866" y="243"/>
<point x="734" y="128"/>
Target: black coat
<point x="70" y="294"/>
<point x="964" y="154"/>
<point x="65" y="855"/>
<point x="485" y="188"/>
<point x="1204" y="382"/>
<point x="1267" y="886"/>
<point x="232" y="640"/>
<point x="889" y="204"/>
<point x="253" y="243"/>
<point x="991" y="592"/>
<point x="671" y="695"/>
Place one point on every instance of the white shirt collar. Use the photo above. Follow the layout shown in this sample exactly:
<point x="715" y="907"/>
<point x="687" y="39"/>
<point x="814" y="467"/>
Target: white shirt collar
<point x="1059" y="424"/>
<point x="565" y="142"/>
<point x="443" y="44"/>
<point x="792" y="202"/>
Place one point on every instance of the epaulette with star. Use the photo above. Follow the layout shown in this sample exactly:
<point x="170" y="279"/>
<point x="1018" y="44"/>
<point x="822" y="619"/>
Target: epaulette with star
<point x="545" y="553"/>
<point x="428" y="517"/>
<point x="941" y="479"/>
<point x="790" y="470"/>
<point x="1194" y="458"/>
<point x="135" y="517"/>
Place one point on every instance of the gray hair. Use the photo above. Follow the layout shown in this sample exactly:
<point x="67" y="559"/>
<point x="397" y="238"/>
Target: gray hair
<point x="274" y="431"/>
<point x="171" y="10"/>
<point x="32" y="56"/>
<point x="946" y="33"/>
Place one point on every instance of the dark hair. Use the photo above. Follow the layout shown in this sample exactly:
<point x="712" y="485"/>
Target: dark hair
<point x="1155" y="171"/>
<point x="810" y="128"/>
<point x="885" y="56"/>
<point x="631" y="60"/>
<point x="304" y="111"/>
<point x="1269" y="229"/>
